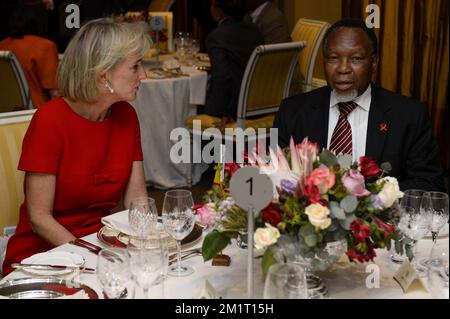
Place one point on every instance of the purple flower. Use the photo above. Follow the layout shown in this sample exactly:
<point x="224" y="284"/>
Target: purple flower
<point x="354" y="183"/>
<point x="287" y="186"/>
<point x="376" y="202"/>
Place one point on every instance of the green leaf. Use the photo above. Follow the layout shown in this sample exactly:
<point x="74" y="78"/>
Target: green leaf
<point x="345" y="161"/>
<point x="306" y="230"/>
<point x="311" y="240"/>
<point x="349" y="203"/>
<point x="213" y="244"/>
<point x="346" y="223"/>
<point x="328" y="158"/>
<point x="337" y="211"/>
<point x="386" y="166"/>
<point x="268" y="260"/>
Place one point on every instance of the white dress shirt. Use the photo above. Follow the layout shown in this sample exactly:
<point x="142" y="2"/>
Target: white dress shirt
<point x="358" y="120"/>
<point x="255" y="14"/>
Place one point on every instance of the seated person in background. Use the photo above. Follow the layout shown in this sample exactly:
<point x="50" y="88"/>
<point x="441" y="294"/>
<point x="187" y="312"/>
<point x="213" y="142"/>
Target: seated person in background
<point x="229" y="47"/>
<point x="353" y="116"/>
<point x="269" y="19"/>
<point x="38" y="56"/>
<point x="82" y="153"/>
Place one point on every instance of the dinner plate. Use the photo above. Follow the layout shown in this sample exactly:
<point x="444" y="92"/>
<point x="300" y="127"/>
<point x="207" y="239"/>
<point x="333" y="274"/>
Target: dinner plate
<point x="114" y="238"/>
<point x="53" y="258"/>
<point x="43" y="288"/>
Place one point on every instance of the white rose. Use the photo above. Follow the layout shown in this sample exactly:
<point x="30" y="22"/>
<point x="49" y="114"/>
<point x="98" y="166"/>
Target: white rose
<point x="266" y="236"/>
<point x="390" y="191"/>
<point x="318" y="215"/>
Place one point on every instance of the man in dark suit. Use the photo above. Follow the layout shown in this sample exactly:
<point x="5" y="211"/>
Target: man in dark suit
<point x="229" y="47"/>
<point x="353" y="116"/>
<point x="269" y="19"/>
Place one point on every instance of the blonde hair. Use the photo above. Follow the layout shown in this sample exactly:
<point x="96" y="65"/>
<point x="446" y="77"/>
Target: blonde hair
<point x="99" y="46"/>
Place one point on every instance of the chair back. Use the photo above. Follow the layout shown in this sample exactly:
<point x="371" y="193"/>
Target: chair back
<point x="14" y="91"/>
<point x="160" y="5"/>
<point x="12" y="131"/>
<point x="312" y="32"/>
<point x="267" y="79"/>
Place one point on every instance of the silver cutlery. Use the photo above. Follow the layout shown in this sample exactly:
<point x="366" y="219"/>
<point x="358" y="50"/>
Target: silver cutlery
<point x="85" y="244"/>
<point x="52" y="267"/>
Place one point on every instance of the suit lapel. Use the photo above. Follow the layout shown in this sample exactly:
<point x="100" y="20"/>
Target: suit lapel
<point x="318" y="120"/>
<point x="378" y="125"/>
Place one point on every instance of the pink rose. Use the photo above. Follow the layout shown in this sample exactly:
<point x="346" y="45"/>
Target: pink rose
<point x="354" y="183"/>
<point x="323" y="178"/>
<point x="207" y="215"/>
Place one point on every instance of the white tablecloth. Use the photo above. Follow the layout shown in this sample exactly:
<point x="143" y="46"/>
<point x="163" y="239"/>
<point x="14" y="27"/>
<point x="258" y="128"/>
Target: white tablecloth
<point x="343" y="280"/>
<point x="162" y="105"/>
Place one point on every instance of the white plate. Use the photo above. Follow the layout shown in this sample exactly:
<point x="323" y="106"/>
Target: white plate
<point x="53" y="258"/>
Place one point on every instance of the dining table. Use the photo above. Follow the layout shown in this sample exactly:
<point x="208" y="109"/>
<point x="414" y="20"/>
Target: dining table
<point x="165" y="99"/>
<point x="344" y="280"/>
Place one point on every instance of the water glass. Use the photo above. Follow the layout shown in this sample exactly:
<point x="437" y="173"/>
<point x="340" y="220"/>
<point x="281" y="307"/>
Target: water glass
<point x="436" y="206"/>
<point x="178" y="220"/>
<point x="113" y="272"/>
<point x="142" y="216"/>
<point x="286" y="281"/>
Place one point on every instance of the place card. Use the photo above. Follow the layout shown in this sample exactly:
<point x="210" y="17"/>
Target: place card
<point x="221" y="260"/>
<point x="405" y="275"/>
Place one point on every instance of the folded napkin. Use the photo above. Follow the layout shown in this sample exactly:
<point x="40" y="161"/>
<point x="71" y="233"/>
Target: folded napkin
<point x="119" y="222"/>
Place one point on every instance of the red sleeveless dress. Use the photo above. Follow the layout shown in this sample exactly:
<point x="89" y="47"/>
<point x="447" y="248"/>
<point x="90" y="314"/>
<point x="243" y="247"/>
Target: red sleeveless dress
<point x="92" y="162"/>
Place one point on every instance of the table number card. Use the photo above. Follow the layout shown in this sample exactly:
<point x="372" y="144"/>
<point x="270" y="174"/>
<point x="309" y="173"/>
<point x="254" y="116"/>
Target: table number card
<point x="166" y="34"/>
<point x="405" y="275"/>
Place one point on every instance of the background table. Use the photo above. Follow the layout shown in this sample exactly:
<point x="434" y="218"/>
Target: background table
<point x="162" y="105"/>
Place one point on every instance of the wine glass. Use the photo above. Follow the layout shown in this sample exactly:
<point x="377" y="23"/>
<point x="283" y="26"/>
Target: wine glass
<point x="142" y="216"/>
<point x="146" y="261"/>
<point x="113" y="272"/>
<point x="286" y="281"/>
<point x="182" y="45"/>
<point x="178" y="221"/>
<point x="414" y="222"/>
<point x="436" y="205"/>
<point x="438" y="278"/>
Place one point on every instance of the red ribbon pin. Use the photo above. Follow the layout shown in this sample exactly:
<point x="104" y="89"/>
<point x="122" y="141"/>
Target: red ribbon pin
<point x="383" y="127"/>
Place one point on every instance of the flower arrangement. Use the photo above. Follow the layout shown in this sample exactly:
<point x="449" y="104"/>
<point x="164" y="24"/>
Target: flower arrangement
<point x="318" y="199"/>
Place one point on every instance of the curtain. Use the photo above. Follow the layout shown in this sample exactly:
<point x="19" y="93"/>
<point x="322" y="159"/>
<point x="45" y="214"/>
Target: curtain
<point x="413" y="41"/>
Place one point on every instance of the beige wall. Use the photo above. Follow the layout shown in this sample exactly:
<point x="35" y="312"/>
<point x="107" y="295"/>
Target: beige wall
<point x="324" y="10"/>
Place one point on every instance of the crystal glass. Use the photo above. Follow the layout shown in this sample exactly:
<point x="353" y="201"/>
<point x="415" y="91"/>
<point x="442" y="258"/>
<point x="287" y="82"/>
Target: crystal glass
<point x="147" y="261"/>
<point x="436" y="205"/>
<point x="113" y="272"/>
<point x="285" y="281"/>
<point x="183" y="42"/>
<point x="178" y="221"/>
<point x="193" y="51"/>
<point x="414" y="223"/>
<point x="142" y="216"/>
<point x="438" y="278"/>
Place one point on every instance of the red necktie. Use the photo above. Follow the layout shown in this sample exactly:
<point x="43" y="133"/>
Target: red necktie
<point x="341" y="140"/>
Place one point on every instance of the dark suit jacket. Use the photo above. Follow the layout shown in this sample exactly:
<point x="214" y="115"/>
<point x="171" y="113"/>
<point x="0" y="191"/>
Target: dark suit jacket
<point x="407" y="143"/>
<point x="229" y="47"/>
<point x="272" y="23"/>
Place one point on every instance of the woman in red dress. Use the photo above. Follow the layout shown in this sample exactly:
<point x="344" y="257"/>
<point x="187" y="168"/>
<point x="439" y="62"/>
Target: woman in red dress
<point x="82" y="152"/>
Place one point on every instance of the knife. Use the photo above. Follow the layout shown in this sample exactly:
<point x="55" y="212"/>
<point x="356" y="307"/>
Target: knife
<point x="51" y="267"/>
<point x="85" y="244"/>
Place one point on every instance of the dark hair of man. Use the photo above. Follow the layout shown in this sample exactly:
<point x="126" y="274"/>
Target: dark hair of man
<point x="232" y="8"/>
<point x="352" y="23"/>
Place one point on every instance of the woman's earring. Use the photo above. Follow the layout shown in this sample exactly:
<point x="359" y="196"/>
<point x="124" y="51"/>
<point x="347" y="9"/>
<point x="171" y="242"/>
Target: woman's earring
<point x="108" y="86"/>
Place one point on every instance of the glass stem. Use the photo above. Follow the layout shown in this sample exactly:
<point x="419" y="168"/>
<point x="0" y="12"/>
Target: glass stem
<point x="434" y="235"/>
<point x="146" y="295"/>
<point x="179" y="255"/>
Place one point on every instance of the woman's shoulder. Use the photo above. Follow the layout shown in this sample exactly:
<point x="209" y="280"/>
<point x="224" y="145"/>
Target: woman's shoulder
<point x="51" y="110"/>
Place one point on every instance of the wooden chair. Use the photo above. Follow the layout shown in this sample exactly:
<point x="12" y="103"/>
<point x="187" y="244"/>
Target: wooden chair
<point x="312" y="32"/>
<point x="160" y="5"/>
<point x="12" y="131"/>
<point x="14" y="90"/>
<point x="266" y="82"/>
